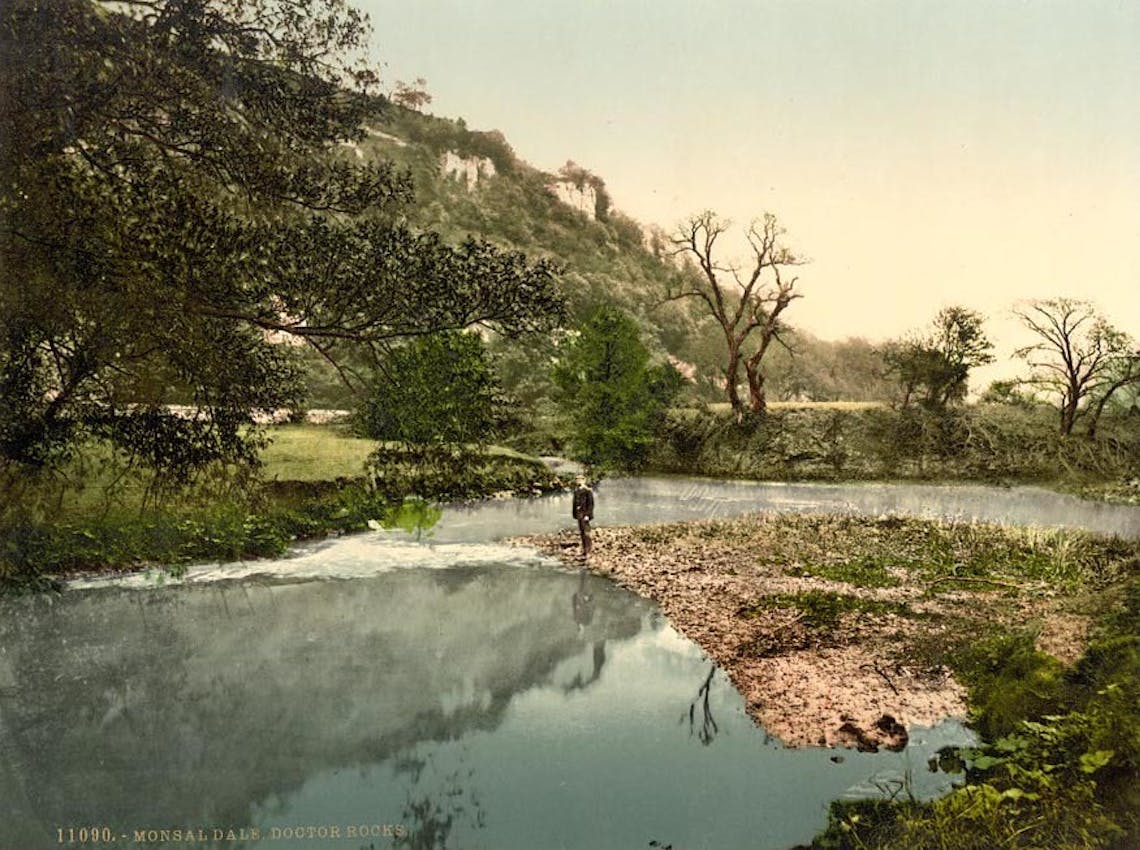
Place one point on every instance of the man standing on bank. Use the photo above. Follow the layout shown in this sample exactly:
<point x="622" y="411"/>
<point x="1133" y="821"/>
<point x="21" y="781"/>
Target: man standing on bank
<point x="583" y="511"/>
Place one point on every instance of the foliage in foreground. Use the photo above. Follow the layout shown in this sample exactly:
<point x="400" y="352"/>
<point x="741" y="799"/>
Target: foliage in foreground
<point x="173" y="200"/>
<point x="1059" y="766"/>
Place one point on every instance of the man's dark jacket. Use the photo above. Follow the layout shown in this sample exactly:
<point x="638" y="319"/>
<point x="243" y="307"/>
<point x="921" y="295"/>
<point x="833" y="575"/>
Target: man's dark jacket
<point x="583" y="503"/>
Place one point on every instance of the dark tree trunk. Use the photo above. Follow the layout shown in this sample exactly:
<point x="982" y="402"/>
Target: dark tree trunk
<point x="1068" y="416"/>
<point x="731" y="378"/>
<point x="757" y="399"/>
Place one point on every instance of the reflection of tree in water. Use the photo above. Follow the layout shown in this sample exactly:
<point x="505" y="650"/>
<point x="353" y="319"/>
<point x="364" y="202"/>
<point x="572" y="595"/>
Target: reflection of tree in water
<point x="708" y="729"/>
<point x="176" y="700"/>
<point x="429" y="815"/>
<point x="413" y="515"/>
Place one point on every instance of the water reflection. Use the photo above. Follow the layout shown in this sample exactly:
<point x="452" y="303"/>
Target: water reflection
<point x="413" y="516"/>
<point x="582" y="604"/>
<point x="708" y="728"/>
<point x="472" y="707"/>
<point x="199" y="700"/>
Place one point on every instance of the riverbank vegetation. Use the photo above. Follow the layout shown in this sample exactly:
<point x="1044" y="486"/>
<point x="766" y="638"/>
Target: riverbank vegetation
<point x="103" y="511"/>
<point x="101" y="515"/>
<point x="157" y="302"/>
<point x="987" y="442"/>
<point x="845" y="631"/>
<point x="1058" y="766"/>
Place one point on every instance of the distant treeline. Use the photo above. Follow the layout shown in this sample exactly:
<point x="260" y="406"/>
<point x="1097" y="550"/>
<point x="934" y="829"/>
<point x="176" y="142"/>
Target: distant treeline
<point x="992" y="442"/>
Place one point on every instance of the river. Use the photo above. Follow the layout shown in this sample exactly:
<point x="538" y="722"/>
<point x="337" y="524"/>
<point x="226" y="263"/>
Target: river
<point x="429" y="689"/>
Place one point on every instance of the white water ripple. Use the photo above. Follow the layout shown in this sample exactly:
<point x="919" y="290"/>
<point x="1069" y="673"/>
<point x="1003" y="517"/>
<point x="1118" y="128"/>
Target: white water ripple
<point x="347" y="557"/>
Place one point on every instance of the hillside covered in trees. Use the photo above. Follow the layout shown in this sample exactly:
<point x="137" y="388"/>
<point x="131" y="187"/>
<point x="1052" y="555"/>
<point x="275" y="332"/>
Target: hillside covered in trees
<point x="472" y="183"/>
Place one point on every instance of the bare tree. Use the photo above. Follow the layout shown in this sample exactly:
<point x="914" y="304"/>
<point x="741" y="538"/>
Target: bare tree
<point x="1079" y="356"/>
<point x="744" y="303"/>
<point x="1123" y="371"/>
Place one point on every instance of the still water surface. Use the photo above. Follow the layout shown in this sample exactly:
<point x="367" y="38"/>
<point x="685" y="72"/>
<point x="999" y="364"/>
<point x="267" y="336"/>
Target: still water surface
<point x="470" y="694"/>
<point x="492" y="705"/>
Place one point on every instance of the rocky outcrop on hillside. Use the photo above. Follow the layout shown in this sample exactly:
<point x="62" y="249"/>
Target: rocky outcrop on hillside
<point x="583" y="198"/>
<point x="471" y="170"/>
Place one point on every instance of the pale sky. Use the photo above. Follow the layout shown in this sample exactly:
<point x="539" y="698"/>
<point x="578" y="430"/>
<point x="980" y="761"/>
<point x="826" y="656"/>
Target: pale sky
<point x="921" y="153"/>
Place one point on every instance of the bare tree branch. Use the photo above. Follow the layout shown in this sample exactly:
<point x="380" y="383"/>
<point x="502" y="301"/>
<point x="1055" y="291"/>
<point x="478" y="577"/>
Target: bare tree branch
<point x="744" y="303"/>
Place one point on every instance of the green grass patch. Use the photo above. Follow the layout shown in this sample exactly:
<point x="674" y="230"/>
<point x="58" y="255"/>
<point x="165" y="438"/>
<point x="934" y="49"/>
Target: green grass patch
<point x="314" y="453"/>
<point x="821" y="610"/>
<point x="865" y="571"/>
<point x="1009" y="682"/>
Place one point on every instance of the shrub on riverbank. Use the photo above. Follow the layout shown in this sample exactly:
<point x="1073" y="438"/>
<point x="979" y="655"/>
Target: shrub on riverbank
<point x="990" y="442"/>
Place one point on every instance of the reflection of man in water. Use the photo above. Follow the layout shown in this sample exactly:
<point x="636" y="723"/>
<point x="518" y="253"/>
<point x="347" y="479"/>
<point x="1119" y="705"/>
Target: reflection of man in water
<point x="583" y="511"/>
<point x="583" y="602"/>
<point x="583" y="605"/>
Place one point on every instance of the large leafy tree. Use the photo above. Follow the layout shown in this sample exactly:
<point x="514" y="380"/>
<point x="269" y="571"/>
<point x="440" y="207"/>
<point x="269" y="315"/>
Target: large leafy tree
<point x="173" y="197"/>
<point x="934" y="365"/>
<point x="436" y="390"/>
<point x="611" y="394"/>
<point x="433" y="406"/>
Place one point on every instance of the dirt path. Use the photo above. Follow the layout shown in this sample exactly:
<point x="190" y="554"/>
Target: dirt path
<point x="836" y="630"/>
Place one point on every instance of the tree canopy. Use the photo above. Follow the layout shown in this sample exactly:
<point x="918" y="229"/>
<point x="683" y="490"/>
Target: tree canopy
<point x="175" y="197"/>
<point x="611" y="394"/>
<point x="436" y="389"/>
<point x="934" y="365"/>
<point x="1078" y="357"/>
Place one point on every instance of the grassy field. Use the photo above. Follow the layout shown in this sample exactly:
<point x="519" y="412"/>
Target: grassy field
<point x="314" y="453"/>
<point x="327" y="452"/>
